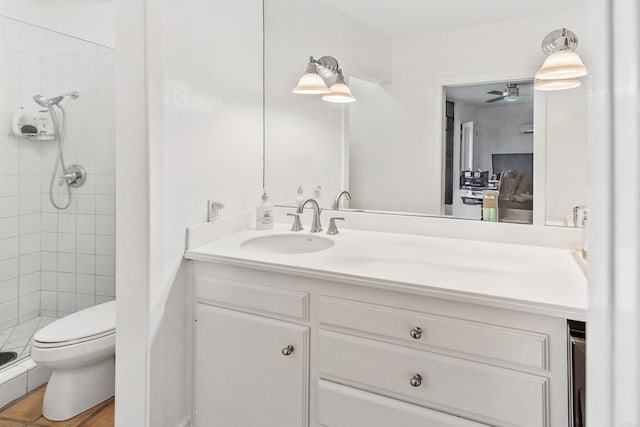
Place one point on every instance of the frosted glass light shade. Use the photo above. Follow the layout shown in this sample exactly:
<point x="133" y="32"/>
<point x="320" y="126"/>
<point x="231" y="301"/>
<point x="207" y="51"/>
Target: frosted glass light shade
<point x="340" y="93"/>
<point x="558" y="84"/>
<point x="311" y="84"/>
<point x="564" y="64"/>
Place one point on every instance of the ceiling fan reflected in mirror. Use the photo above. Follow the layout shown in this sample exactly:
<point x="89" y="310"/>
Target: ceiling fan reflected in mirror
<point x="511" y="93"/>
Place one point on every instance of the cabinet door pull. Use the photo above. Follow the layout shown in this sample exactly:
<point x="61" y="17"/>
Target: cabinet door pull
<point x="288" y="350"/>
<point x="416" y="380"/>
<point x="416" y="333"/>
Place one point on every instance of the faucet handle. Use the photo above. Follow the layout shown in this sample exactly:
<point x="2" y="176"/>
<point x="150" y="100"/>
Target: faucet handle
<point x="333" y="229"/>
<point x="297" y="224"/>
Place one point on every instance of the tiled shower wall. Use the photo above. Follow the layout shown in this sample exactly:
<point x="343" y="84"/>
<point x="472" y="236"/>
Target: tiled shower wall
<point x="55" y="262"/>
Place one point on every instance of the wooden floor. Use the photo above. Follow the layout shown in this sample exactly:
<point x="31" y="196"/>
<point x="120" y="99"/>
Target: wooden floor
<point x="27" y="412"/>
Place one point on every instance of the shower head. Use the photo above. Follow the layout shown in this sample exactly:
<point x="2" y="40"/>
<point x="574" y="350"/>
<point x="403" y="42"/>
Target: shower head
<point x="48" y="102"/>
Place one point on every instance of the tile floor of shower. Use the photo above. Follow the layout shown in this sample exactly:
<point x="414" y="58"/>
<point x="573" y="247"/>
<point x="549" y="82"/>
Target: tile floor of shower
<point x="19" y="338"/>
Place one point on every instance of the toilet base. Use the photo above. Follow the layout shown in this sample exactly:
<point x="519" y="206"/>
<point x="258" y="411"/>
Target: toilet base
<point x="71" y="392"/>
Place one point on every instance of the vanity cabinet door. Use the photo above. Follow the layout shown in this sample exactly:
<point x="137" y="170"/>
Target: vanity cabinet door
<point x="249" y="370"/>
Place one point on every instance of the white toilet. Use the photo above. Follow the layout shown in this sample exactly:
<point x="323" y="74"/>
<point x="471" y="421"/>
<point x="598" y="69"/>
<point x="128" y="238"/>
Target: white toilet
<point x="80" y="351"/>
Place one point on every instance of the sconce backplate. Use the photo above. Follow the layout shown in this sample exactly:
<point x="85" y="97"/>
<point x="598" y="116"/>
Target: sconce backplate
<point x="559" y="40"/>
<point x="327" y="66"/>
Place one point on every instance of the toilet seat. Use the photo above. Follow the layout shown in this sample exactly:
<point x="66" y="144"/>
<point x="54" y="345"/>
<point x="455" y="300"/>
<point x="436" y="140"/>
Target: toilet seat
<point x="40" y="344"/>
<point x="86" y="325"/>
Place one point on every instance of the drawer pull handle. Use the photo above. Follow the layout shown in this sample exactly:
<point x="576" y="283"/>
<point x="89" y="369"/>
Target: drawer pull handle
<point x="416" y="333"/>
<point x="416" y="380"/>
<point x="288" y="350"/>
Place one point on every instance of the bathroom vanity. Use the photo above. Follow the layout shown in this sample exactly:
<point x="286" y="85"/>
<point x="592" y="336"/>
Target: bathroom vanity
<point x="381" y="329"/>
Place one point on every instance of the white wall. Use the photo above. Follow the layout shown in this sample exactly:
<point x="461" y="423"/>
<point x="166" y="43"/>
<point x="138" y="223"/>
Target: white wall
<point x="91" y="20"/>
<point x="205" y="106"/>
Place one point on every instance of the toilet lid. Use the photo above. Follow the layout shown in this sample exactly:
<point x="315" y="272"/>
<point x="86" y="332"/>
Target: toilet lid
<point x="90" y="322"/>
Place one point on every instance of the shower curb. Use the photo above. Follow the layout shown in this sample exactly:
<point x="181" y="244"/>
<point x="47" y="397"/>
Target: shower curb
<point x="20" y="378"/>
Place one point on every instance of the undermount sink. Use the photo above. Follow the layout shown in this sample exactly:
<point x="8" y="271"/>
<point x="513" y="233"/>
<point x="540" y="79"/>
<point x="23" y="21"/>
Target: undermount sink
<point x="287" y="244"/>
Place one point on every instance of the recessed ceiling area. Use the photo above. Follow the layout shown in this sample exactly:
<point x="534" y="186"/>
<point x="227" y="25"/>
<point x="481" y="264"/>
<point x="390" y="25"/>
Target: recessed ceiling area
<point x="414" y="16"/>
<point x="476" y="95"/>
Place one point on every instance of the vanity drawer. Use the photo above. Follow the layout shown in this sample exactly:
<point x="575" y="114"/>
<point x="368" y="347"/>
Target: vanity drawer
<point x="260" y="299"/>
<point x="340" y="406"/>
<point x="473" y="338"/>
<point x="494" y="395"/>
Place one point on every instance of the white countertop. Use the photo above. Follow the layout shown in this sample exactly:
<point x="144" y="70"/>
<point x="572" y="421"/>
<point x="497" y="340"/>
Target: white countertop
<point x="534" y="279"/>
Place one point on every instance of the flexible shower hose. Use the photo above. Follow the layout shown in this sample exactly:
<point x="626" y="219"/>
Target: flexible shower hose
<point x="60" y="135"/>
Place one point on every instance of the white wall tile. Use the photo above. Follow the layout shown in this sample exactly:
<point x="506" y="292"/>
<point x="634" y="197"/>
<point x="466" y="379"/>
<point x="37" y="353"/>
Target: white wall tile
<point x="67" y="242"/>
<point x="86" y="284"/>
<point x="105" y="286"/>
<point x="29" y="204"/>
<point x="10" y="164"/>
<point x="49" y="222"/>
<point x="48" y="281"/>
<point x="9" y="290"/>
<point x="8" y="311"/>
<point x="105" y="224"/>
<point x="66" y="282"/>
<point x="85" y="301"/>
<point x="49" y="241"/>
<point x="29" y="283"/>
<point x="86" y="203"/>
<point x="9" y="268"/>
<point x="29" y="243"/>
<point x="29" y="223"/>
<point x="66" y="302"/>
<point x="86" y="244"/>
<point x="66" y="223"/>
<point x="49" y="261"/>
<point x="9" y="185"/>
<point x="9" y="248"/>
<point x="66" y="263"/>
<point x="9" y="206"/>
<point x="105" y="265"/>
<point x="105" y="164"/>
<point x="29" y="263"/>
<point x="29" y="304"/>
<point x="9" y="227"/>
<point x="86" y="224"/>
<point x="48" y="300"/>
<point x="86" y="264"/>
<point x="100" y="299"/>
<point x="105" y="245"/>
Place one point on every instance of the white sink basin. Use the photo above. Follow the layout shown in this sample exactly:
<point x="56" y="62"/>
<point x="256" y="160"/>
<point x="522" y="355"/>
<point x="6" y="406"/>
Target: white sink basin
<point x="287" y="244"/>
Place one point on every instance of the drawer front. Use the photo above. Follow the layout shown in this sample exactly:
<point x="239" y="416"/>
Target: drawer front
<point x="340" y="406"/>
<point x="256" y="298"/>
<point x="487" y="393"/>
<point x="494" y="342"/>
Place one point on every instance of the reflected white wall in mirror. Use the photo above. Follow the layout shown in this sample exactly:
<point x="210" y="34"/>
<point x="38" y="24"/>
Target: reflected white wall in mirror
<point x="387" y="148"/>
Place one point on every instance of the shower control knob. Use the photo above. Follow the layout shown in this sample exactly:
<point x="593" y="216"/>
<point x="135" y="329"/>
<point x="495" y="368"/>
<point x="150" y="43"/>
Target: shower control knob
<point x="416" y="333"/>
<point x="416" y="380"/>
<point x="288" y="350"/>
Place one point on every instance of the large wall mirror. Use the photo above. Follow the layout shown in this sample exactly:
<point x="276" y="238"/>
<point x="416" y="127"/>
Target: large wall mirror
<point x="445" y="113"/>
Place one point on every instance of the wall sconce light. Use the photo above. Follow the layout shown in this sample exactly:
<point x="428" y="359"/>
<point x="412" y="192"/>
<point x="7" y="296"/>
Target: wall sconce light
<point x="312" y="82"/>
<point x="562" y="66"/>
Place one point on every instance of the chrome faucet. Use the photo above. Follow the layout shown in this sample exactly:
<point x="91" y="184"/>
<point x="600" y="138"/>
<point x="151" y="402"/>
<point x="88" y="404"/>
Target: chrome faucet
<point x="316" y="226"/>
<point x="336" y="203"/>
